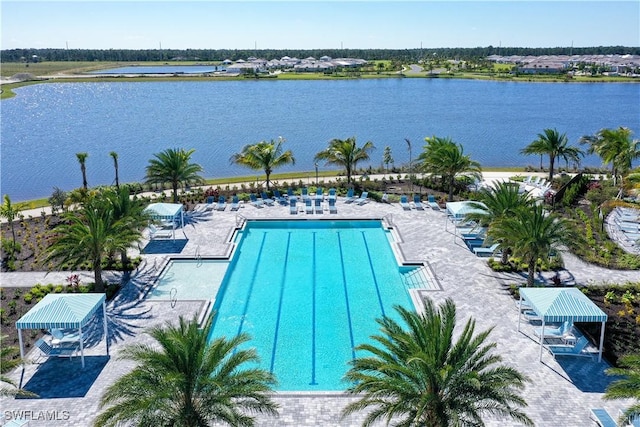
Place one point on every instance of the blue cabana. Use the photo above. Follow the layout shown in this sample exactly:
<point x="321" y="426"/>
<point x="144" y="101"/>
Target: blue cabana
<point x="560" y="305"/>
<point x="63" y="311"/>
<point x="167" y="212"/>
<point x="457" y="210"/>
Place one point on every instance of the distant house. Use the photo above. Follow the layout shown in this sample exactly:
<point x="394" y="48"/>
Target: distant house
<point x="542" y="67"/>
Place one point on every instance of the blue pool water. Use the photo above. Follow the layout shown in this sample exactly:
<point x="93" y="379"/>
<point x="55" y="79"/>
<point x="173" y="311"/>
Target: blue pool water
<point x="308" y="292"/>
<point x="192" y="280"/>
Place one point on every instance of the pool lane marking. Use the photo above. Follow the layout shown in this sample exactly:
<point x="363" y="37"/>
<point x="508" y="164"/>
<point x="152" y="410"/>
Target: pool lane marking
<point x="313" y="315"/>
<point x="282" y="283"/>
<point x="346" y="298"/>
<point x="253" y="281"/>
<point x="373" y="273"/>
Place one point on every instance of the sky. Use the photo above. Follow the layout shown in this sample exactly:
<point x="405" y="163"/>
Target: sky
<point x="141" y="24"/>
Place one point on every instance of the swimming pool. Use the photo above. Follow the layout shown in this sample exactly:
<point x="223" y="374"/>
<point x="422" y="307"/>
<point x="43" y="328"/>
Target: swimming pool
<point x="308" y="292"/>
<point x="190" y="280"/>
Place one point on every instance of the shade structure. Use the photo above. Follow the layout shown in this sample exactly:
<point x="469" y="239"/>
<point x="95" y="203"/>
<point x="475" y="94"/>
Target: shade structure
<point x="458" y="210"/>
<point x="563" y="304"/>
<point x="166" y="212"/>
<point x="63" y="311"/>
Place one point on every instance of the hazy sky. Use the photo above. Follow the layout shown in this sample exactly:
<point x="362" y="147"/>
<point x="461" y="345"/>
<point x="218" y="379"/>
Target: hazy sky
<point x="141" y="24"/>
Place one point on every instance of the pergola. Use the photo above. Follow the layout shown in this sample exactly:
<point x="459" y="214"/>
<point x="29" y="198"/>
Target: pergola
<point x="560" y="305"/>
<point x="63" y="311"/>
<point x="167" y="212"/>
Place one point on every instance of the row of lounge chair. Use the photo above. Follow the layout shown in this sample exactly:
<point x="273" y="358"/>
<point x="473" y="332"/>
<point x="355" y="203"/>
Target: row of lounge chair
<point x="312" y="206"/>
<point x="417" y="203"/>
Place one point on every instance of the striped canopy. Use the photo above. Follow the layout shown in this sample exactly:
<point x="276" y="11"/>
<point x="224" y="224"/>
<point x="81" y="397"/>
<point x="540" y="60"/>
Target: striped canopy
<point x="167" y="211"/>
<point x="561" y="304"/>
<point x="61" y="311"/>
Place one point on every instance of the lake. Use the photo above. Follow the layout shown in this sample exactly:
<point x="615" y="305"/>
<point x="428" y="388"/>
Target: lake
<point x="46" y="124"/>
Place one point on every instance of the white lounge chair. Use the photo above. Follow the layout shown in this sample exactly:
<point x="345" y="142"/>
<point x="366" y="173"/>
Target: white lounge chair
<point x="364" y="198"/>
<point x="235" y="203"/>
<point x="332" y="206"/>
<point x="417" y="202"/>
<point x="222" y="204"/>
<point x="308" y="207"/>
<point x="431" y="201"/>
<point x="157" y="233"/>
<point x="60" y="338"/>
<point x="293" y="208"/>
<point x="404" y="202"/>
<point x="570" y="350"/>
<point x="482" y="251"/>
<point x="350" y="198"/>
<point x="67" y="350"/>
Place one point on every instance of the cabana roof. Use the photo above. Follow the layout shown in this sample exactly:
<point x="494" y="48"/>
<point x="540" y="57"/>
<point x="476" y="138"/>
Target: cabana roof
<point x="561" y="304"/>
<point x="459" y="209"/>
<point x="164" y="210"/>
<point x="61" y="311"/>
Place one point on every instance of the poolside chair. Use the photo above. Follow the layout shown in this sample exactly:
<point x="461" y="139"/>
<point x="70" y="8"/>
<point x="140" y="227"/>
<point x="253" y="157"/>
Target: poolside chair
<point x="293" y="208"/>
<point x="431" y="201"/>
<point x="290" y="193"/>
<point x="405" y="203"/>
<point x="157" y="233"/>
<point x="602" y="418"/>
<point x="531" y="316"/>
<point x="417" y="202"/>
<point x="332" y="194"/>
<point x="305" y="194"/>
<point x="364" y="198"/>
<point x="235" y="203"/>
<point x="67" y="350"/>
<point x="385" y="198"/>
<point x="222" y="204"/>
<point x="570" y="350"/>
<point x="60" y="338"/>
<point x="555" y="332"/>
<point x="350" y="198"/>
<point x="482" y="251"/>
<point x="319" y="193"/>
<point x="266" y="199"/>
<point x="255" y="202"/>
<point x="332" y="206"/>
<point x="279" y="197"/>
<point x="318" y="205"/>
<point x="308" y="208"/>
<point x="210" y="203"/>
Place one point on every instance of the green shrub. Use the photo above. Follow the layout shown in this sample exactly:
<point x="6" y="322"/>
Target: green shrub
<point x="28" y="298"/>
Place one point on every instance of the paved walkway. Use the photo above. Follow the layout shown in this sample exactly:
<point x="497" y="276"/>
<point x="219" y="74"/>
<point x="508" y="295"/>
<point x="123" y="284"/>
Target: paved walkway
<point x="560" y="392"/>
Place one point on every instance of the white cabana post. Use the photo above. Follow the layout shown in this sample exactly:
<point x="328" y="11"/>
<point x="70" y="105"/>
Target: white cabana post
<point x="64" y="311"/>
<point x="167" y="212"/>
<point x="563" y="304"/>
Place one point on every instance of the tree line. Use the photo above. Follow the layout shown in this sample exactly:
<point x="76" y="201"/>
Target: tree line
<point x="406" y="55"/>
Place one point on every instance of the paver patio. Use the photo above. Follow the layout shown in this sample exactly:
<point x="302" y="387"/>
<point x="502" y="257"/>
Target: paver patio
<point x="560" y="393"/>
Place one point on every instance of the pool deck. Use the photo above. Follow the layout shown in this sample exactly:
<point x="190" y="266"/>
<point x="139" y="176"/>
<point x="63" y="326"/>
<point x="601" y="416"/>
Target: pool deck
<point x="561" y="391"/>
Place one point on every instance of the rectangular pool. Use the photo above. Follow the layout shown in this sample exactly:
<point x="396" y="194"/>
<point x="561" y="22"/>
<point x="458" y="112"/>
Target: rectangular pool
<point x="308" y="292"/>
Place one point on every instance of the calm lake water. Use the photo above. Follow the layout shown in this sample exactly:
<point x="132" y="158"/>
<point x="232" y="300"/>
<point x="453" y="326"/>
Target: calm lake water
<point x="45" y="125"/>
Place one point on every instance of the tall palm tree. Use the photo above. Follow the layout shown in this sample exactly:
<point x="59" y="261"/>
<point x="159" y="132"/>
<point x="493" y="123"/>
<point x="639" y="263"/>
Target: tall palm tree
<point x="82" y="158"/>
<point x="10" y="211"/>
<point x="532" y="234"/>
<point x="187" y="381"/>
<point x="627" y="387"/>
<point x="497" y="201"/>
<point x="130" y="213"/>
<point x="554" y="144"/>
<point x="90" y="233"/>
<point x="614" y="146"/>
<point x="443" y="157"/>
<point x="264" y="156"/>
<point x="345" y="153"/>
<point x="174" y="165"/>
<point x="421" y="376"/>
<point x="114" y="156"/>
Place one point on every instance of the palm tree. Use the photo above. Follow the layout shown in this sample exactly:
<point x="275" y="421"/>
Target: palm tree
<point x="89" y="234"/>
<point x="174" y="165"/>
<point x="443" y="157"/>
<point x="8" y="361"/>
<point x="614" y="146"/>
<point x="387" y="157"/>
<point x="554" y="144"/>
<point x="627" y="387"/>
<point x="130" y="213"/>
<point x="82" y="158"/>
<point x="10" y="211"/>
<point x="264" y="156"/>
<point x="114" y="156"/>
<point x="532" y="234"/>
<point x="345" y="153"/>
<point x="500" y="200"/>
<point x="421" y="376"/>
<point x="187" y="381"/>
